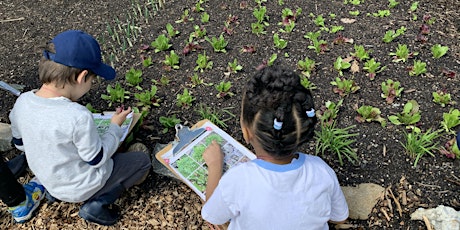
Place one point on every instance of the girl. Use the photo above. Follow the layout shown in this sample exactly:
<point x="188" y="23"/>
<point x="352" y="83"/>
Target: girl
<point x="282" y="188"/>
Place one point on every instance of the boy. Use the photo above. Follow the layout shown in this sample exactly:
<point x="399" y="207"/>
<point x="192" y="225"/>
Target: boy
<point x="60" y="139"/>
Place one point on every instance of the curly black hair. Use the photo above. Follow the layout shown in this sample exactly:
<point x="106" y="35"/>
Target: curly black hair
<point x="276" y="93"/>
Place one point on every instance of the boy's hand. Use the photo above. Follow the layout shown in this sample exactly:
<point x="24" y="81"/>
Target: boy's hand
<point x="213" y="156"/>
<point x="120" y="115"/>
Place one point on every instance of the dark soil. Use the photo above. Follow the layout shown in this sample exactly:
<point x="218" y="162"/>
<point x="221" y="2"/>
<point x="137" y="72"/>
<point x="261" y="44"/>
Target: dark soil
<point x="162" y="203"/>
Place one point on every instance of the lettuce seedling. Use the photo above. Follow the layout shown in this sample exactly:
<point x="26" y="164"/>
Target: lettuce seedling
<point x="442" y="98"/>
<point x="409" y="116"/>
<point x="117" y="94"/>
<point x="307" y="66"/>
<point x="382" y="13"/>
<point x="361" y="53"/>
<point x="341" y="65"/>
<point x="146" y="62"/>
<point x="402" y="53"/>
<point x="450" y="149"/>
<point x="391" y="90"/>
<point x="368" y="113"/>
<point x="169" y="122"/>
<point x="328" y="113"/>
<point x="223" y="89"/>
<point x="450" y="120"/>
<point x="161" y="43"/>
<point x="204" y="17"/>
<point x="203" y="62"/>
<point x="185" y="17"/>
<point x="134" y="77"/>
<point x="148" y="98"/>
<point x="418" y="68"/>
<point x="390" y="35"/>
<point x="261" y="16"/>
<point x="373" y="68"/>
<point x="218" y="44"/>
<point x="439" y="50"/>
<point x="318" y="45"/>
<point x="172" y="60"/>
<point x="171" y="31"/>
<point x="392" y="3"/>
<point x="234" y="67"/>
<point x="279" y="42"/>
<point x="185" y="99"/>
<point x="305" y="82"/>
<point x="344" y="86"/>
<point x="288" y="19"/>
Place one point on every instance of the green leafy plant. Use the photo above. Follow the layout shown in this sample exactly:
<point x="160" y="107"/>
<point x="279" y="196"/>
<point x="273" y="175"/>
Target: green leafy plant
<point x="234" y="67"/>
<point x="344" y="86"/>
<point x="382" y="13"/>
<point x="373" y="68"/>
<point x="172" y="60"/>
<point x="329" y="112"/>
<point x="319" y="21"/>
<point x="450" y="149"/>
<point x="116" y="94"/>
<point x="418" y="144"/>
<point x="361" y="53"/>
<point x="169" y="122"/>
<point x="450" y="120"/>
<point x="337" y="141"/>
<point x="334" y="29"/>
<point x="147" y="62"/>
<point x="288" y="19"/>
<point x="91" y="108"/>
<point x="391" y="90"/>
<point x="203" y="62"/>
<point x="279" y="42"/>
<point x="318" y="45"/>
<point x="418" y="68"/>
<point x="392" y="3"/>
<point x="215" y="115"/>
<point x="341" y="64"/>
<point x="390" y="35"/>
<point x="218" y="44"/>
<point x="368" y="113"/>
<point x="223" y="89"/>
<point x="171" y="31"/>
<point x="307" y="66"/>
<point x="204" y="17"/>
<point x="185" y="17"/>
<point x="402" y="53"/>
<point x="272" y="59"/>
<point x="442" y="98"/>
<point x="414" y="6"/>
<point x="354" y="12"/>
<point x="199" y="32"/>
<point x="134" y="77"/>
<point x="438" y="50"/>
<point x="259" y="26"/>
<point x="196" y="80"/>
<point x="409" y="116"/>
<point x="161" y="43"/>
<point x="148" y="98"/>
<point x="164" y="80"/>
<point x="185" y="99"/>
<point x="305" y="81"/>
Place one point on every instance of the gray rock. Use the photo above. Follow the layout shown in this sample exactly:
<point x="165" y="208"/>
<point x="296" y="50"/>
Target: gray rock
<point x="361" y="199"/>
<point x="5" y="137"/>
<point x="441" y="217"/>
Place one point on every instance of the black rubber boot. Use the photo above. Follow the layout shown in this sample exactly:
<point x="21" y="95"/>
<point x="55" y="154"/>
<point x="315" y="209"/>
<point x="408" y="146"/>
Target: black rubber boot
<point x="101" y="209"/>
<point x="17" y="165"/>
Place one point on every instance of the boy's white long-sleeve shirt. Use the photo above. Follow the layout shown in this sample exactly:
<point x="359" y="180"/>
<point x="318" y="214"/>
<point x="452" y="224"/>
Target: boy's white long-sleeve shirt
<point x="59" y="138"/>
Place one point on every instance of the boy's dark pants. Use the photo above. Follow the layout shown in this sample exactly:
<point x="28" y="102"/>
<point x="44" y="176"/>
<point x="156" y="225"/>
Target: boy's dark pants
<point x="11" y="191"/>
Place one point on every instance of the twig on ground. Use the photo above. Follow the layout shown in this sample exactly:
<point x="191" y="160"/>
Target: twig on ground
<point x="398" y="205"/>
<point x="12" y="19"/>
<point x="427" y="223"/>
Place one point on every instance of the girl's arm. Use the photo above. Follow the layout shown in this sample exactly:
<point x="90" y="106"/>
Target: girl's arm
<point x="214" y="159"/>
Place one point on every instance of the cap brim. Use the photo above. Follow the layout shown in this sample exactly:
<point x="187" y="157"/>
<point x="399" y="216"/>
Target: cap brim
<point x="105" y="71"/>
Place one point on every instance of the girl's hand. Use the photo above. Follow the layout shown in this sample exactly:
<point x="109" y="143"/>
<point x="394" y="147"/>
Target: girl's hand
<point x="213" y="156"/>
<point x="120" y="115"/>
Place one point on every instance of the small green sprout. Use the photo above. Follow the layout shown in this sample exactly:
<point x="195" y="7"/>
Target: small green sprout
<point x="450" y="120"/>
<point x="335" y="29"/>
<point x="161" y="43"/>
<point x="329" y="112"/>
<point x="196" y="80"/>
<point x="341" y="65"/>
<point x="134" y="77"/>
<point x="203" y="62"/>
<point x="279" y="43"/>
<point x="442" y="98"/>
<point x="391" y="90"/>
<point x="390" y="35"/>
<point x="234" y="67"/>
<point x="318" y="45"/>
<point x="117" y="94"/>
<point x="261" y="16"/>
<point x="272" y="59"/>
<point x="199" y="32"/>
<point x="319" y="21"/>
<point x="172" y="60"/>
<point x="354" y="13"/>
<point x="148" y="98"/>
<point x="169" y="122"/>
<point x="361" y="53"/>
<point x="438" y="50"/>
<point x="204" y="17"/>
<point x="185" y="99"/>
<point x="344" y="86"/>
<point x="414" y="6"/>
<point x="305" y="81"/>
<point x="307" y="66"/>
<point x="185" y="17"/>
<point x="418" y="68"/>
<point x="368" y="113"/>
<point x="223" y="89"/>
<point x="382" y="13"/>
<point x="409" y="116"/>
<point x="402" y="53"/>
<point x="373" y="68"/>
<point x="392" y="3"/>
<point x="218" y="44"/>
<point x="171" y="31"/>
<point x="147" y="62"/>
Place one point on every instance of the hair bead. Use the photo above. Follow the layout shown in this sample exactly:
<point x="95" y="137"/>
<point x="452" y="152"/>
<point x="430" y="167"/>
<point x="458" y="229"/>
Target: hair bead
<point x="277" y="124"/>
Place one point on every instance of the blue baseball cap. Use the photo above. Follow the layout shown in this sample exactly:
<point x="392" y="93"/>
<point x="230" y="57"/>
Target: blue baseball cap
<point x="80" y="50"/>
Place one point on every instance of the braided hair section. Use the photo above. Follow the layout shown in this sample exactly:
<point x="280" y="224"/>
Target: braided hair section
<point x="274" y="106"/>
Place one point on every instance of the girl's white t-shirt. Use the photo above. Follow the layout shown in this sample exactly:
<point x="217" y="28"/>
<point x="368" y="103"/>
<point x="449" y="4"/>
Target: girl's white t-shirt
<point x="304" y="194"/>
